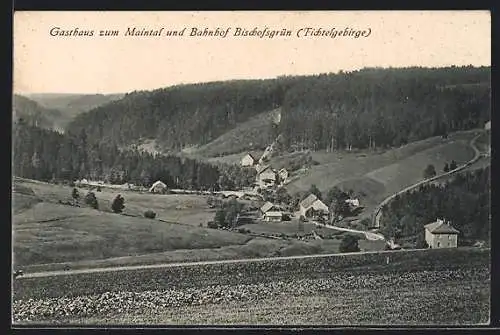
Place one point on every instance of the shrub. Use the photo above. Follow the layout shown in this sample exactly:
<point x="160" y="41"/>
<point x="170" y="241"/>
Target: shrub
<point x="118" y="204"/>
<point x="429" y="171"/>
<point x="91" y="200"/>
<point x="75" y="194"/>
<point x="98" y="189"/>
<point x="212" y="225"/>
<point x="349" y="244"/>
<point x="149" y="214"/>
<point x="71" y="184"/>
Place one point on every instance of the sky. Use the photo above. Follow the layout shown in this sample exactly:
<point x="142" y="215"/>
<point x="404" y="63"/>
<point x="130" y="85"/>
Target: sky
<point x="118" y="64"/>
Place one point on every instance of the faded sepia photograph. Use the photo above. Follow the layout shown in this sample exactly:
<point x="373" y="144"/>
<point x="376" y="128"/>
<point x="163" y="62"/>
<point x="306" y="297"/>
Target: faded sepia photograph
<point x="277" y="168"/>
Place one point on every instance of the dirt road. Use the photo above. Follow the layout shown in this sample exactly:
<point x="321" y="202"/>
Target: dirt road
<point x="168" y="265"/>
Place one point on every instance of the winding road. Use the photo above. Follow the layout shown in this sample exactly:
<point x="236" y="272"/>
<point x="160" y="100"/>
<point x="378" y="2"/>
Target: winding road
<point x="369" y="235"/>
<point x="477" y="155"/>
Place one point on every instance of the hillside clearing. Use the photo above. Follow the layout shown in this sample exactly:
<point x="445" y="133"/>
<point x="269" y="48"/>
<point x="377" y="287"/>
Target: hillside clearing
<point x="374" y="176"/>
<point x="254" y="134"/>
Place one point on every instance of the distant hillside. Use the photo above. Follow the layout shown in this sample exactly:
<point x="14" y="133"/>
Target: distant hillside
<point x="72" y="105"/>
<point x="255" y="134"/>
<point x="35" y="114"/>
<point x="370" y="108"/>
<point x="373" y="176"/>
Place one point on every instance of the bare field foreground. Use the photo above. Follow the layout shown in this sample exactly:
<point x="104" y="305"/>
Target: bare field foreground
<point x="420" y="287"/>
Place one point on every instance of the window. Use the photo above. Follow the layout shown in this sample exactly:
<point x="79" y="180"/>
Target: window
<point x="438" y="244"/>
<point x="450" y="237"/>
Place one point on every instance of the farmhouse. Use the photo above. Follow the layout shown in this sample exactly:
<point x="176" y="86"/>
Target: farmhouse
<point x="311" y="205"/>
<point x="249" y="159"/>
<point x="440" y="234"/>
<point x="158" y="187"/>
<point x="265" y="177"/>
<point x="274" y="216"/>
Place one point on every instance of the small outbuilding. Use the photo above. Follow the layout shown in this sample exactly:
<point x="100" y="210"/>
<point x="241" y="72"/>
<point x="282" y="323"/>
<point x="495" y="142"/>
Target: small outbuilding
<point x="158" y="187"/>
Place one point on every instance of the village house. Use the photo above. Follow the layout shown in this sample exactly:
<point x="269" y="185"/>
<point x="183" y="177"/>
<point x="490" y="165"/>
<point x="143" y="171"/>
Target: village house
<point x="440" y="234"/>
<point x="311" y="205"/>
<point x="266" y="177"/>
<point x="273" y="216"/>
<point x="158" y="187"/>
<point x="249" y="159"/>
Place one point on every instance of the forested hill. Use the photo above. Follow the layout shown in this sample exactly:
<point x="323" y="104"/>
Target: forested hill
<point x="51" y="156"/>
<point x="360" y="109"/>
<point x="34" y="114"/>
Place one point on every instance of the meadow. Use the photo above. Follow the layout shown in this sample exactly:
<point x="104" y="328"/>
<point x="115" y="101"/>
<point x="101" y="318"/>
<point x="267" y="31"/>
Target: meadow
<point x="49" y="235"/>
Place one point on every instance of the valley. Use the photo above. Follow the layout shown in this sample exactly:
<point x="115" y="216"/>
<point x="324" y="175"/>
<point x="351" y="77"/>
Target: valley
<point x="215" y="202"/>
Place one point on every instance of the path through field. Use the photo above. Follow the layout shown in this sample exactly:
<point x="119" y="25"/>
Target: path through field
<point x="189" y="264"/>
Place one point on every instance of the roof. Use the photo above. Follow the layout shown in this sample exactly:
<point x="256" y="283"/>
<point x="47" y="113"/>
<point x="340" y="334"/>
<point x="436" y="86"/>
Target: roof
<point x="267" y="206"/>
<point x="440" y="227"/>
<point x="307" y="202"/>
<point x="253" y="155"/>
<point x="261" y="169"/>
<point x="158" y="183"/>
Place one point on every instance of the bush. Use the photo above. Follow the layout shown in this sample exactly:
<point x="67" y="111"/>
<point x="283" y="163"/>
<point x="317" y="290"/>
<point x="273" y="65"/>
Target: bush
<point x="75" y="194"/>
<point x="212" y="225"/>
<point x="149" y="214"/>
<point x="118" y="204"/>
<point x="91" y="200"/>
<point x="349" y="244"/>
<point x="71" y="184"/>
<point x="98" y="189"/>
<point x="430" y="171"/>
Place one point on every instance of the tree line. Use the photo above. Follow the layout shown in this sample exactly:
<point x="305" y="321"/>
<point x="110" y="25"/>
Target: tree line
<point x="47" y="155"/>
<point x="464" y="201"/>
<point x="369" y="108"/>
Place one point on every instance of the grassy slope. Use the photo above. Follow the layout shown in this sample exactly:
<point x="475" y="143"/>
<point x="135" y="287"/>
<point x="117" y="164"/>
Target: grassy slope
<point x="56" y="233"/>
<point x="377" y="175"/>
<point x="48" y="235"/>
<point x="253" y="134"/>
